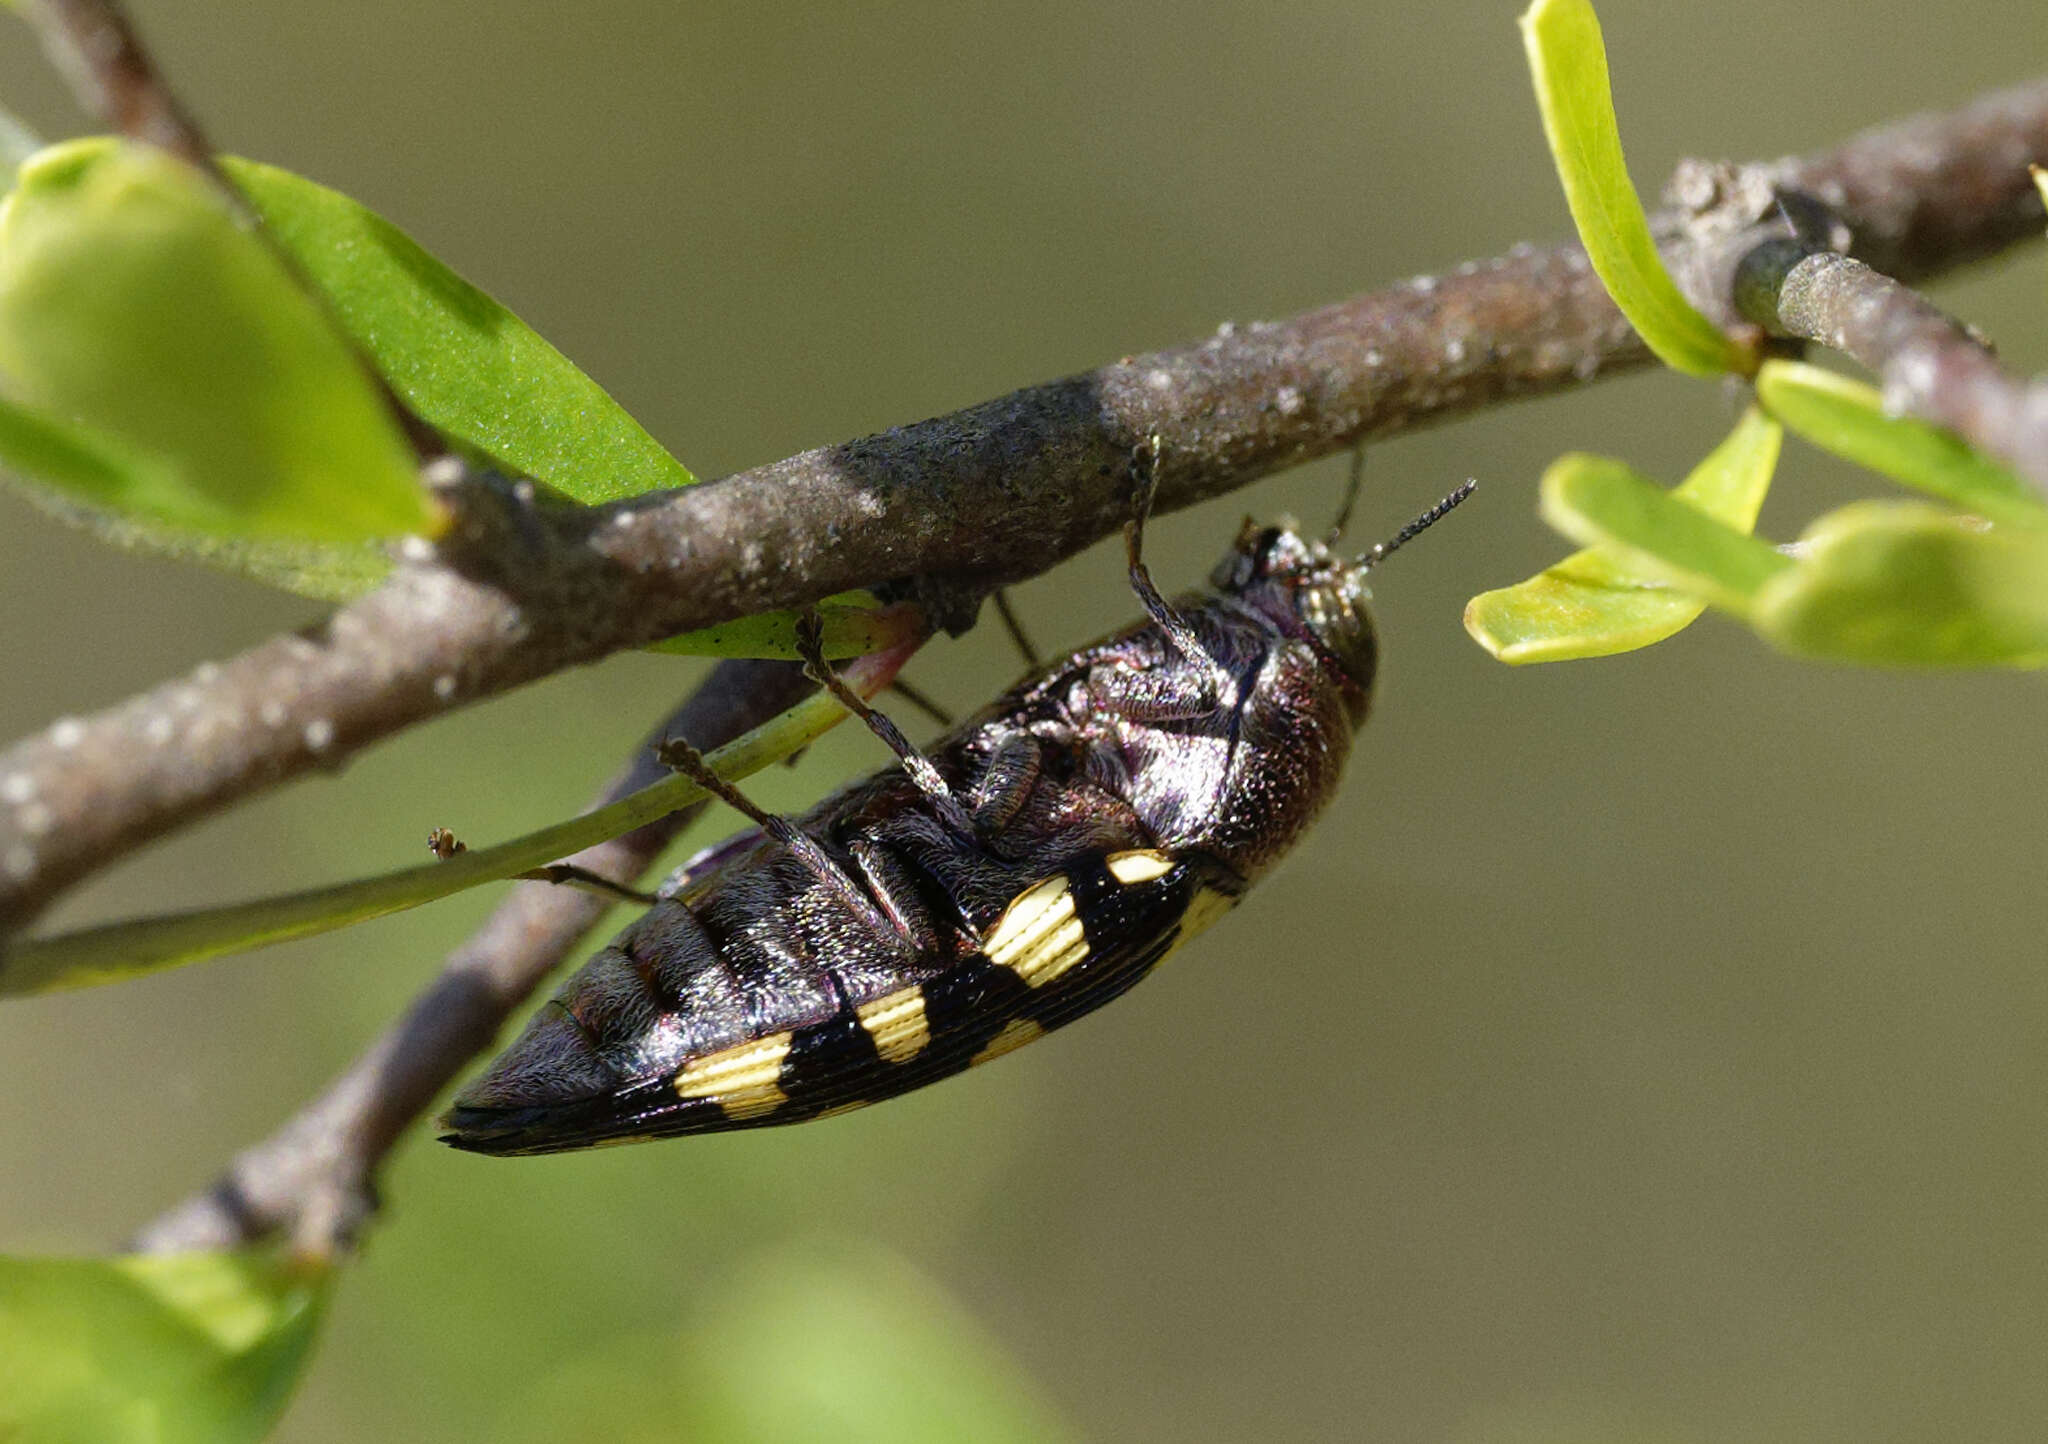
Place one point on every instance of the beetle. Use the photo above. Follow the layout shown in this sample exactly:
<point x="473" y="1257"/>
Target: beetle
<point x="1044" y="855"/>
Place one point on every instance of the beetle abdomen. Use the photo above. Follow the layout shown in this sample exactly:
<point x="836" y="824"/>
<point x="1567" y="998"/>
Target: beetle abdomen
<point x="1065" y="945"/>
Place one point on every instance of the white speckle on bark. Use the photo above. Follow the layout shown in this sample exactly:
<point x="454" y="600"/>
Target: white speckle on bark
<point x="66" y="733"/>
<point x="416" y="549"/>
<point x="1160" y="380"/>
<point x="1373" y="356"/>
<point x="1454" y="351"/>
<point x="319" y="734"/>
<point x="159" y="730"/>
<point x="271" y="713"/>
<point x="1288" y="400"/>
<point x="17" y="788"/>
<point x="444" y="686"/>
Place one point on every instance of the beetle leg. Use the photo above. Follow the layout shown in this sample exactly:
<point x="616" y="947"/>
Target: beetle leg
<point x="890" y="881"/>
<point x="1352" y="485"/>
<point x="684" y="758"/>
<point x="1012" y="772"/>
<point x="568" y="874"/>
<point x="1015" y="628"/>
<point x="809" y="645"/>
<point x="922" y="702"/>
<point x="1216" y="683"/>
<point x="1153" y="696"/>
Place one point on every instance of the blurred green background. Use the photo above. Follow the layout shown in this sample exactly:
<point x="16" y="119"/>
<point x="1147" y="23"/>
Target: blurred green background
<point x="1646" y="1049"/>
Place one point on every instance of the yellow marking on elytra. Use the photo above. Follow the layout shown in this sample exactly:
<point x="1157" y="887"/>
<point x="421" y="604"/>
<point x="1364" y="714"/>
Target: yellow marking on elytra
<point x="1038" y="936"/>
<point x="1203" y="908"/>
<point x="838" y="1108"/>
<point x="743" y="1079"/>
<point x="1143" y="865"/>
<point x="1016" y="1033"/>
<point x="897" y="1023"/>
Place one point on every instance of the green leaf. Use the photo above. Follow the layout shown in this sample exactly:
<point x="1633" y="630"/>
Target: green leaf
<point x="134" y="308"/>
<point x="1597" y="501"/>
<point x="118" y="951"/>
<point x="854" y="624"/>
<point x="819" y="1342"/>
<point x="152" y="1349"/>
<point x="73" y="461"/>
<point x="461" y="361"/>
<point x="1849" y="419"/>
<point x="1904" y="584"/>
<point x="1592" y="604"/>
<point x="1569" y="64"/>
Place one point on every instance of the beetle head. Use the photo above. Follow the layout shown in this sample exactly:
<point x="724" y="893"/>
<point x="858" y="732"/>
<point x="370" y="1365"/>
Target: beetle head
<point x="1304" y="589"/>
<point x="1277" y="571"/>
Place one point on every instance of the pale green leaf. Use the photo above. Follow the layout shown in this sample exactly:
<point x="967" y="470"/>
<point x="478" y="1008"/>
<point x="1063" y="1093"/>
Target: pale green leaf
<point x="1592" y="604"/>
<point x="1597" y="501"/>
<point x="196" y="1348"/>
<point x="1904" y="584"/>
<point x="459" y="359"/>
<point x="1848" y="418"/>
<point x="135" y="308"/>
<point x="1568" y="62"/>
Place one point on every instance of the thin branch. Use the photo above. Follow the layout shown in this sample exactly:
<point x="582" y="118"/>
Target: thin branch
<point x="314" y="1179"/>
<point x="1931" y="365"/>
<point x="98" y="51"/>
<point x="995" y="493"/>
<point x="93" y="956"/>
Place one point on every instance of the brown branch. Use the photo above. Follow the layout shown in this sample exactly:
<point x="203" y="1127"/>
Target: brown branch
<point x="98" y="51"/>
<point x="314" y="1179"/>
<point x="997" y="492"/>
<point x="1931" y="365"/>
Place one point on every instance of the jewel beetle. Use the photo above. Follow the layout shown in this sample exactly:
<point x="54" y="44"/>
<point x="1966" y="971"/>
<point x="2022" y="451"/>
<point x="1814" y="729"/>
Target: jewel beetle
<point x="1035" y="862"/>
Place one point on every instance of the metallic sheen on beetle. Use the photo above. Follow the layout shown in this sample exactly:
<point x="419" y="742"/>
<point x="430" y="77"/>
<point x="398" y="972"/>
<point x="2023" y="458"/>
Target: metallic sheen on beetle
<point x="1031" y="865"/>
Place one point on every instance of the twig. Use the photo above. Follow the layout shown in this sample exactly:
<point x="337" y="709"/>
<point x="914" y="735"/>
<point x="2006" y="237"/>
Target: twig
<point x="313" y="1180"/>
<point x="1930" y="365"/>
<point x="98" y="51"/>
<point x="995" y="493"/>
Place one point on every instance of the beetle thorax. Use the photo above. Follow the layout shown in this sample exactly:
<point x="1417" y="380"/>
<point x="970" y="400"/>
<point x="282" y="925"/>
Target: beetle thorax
<point x="1305" y="591"/>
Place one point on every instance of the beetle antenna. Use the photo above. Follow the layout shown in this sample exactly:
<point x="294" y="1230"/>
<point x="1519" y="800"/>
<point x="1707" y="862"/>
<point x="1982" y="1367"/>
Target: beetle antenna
<point x="1351" y="487"/>
<point x="1415" y="528"/>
